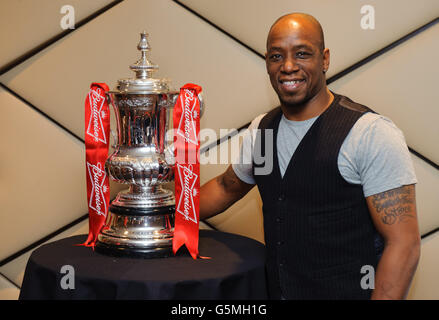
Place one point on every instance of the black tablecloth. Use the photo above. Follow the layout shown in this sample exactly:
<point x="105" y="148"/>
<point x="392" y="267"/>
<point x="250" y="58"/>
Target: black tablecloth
<point x="235" y="271"/>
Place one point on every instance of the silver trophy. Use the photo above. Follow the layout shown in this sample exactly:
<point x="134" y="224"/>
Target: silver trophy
<point x="140" y="221"/>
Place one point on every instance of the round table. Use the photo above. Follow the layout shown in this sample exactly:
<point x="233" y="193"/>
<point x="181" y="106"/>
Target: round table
<point x="62" y="270"/>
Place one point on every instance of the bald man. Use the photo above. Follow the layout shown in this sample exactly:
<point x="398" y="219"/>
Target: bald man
<point x="339" y="203"/>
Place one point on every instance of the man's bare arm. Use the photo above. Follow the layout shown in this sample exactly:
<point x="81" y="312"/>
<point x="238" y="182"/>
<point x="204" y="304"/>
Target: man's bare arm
<point x="221" y="192"/>
<point x="394" y="215"/>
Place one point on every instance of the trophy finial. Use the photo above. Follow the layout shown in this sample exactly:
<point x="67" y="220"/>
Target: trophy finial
<point x="143" y="43"/>
<point x="143" y="67"/>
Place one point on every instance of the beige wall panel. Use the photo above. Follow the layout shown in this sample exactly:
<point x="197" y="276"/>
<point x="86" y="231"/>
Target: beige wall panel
<point x="427" y="202"/>
<point x="402" y="84"/>
<point x="245" y="216"/>
<point x="425" y="284"/>
<point x="25" y="24"/>
<point x="7" y="290"/>
<point x="250" y="20"/>
<point x="204" y="226"/>
<point x="42" y="186"/>
<point x="186" y="48"/>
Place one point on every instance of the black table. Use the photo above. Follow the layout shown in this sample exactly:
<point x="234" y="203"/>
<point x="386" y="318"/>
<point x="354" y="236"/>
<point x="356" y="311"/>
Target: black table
<point x="236" y="270"/>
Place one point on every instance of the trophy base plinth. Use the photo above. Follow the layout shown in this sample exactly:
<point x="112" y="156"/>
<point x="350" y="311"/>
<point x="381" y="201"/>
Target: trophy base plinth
<point x="130" y="252"/>
<point x="137" y="232"/>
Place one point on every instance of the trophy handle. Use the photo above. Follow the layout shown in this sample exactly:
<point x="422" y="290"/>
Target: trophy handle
<point x="115" y="134"/>
<point x="115" y="139"/>
<point x="201" y="100"/>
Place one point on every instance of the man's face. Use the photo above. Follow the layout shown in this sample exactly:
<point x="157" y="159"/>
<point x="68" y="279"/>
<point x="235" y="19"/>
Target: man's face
<point x="295" y="61"/>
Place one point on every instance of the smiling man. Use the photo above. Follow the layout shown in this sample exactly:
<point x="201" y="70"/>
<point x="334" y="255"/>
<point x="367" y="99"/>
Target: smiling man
<point x="341" y="195"/>
<point x="301" y="87"/>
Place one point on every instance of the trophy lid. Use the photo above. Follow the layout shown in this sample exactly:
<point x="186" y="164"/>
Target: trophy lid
<point x="143" y="83"/>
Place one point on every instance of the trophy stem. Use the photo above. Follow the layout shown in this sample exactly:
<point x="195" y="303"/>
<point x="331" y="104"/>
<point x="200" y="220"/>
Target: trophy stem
<point x="135" y="189"/>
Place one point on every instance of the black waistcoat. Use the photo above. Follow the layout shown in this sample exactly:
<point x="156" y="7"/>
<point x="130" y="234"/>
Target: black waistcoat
<point x="318" y="230"/>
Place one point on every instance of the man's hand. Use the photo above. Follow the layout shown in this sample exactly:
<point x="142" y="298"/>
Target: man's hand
<point x="394" y="215"/>
<point x="221" y="192"/>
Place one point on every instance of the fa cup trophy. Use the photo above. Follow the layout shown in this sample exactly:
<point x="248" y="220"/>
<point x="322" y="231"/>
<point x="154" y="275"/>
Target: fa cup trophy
<point x="140" y="220"/>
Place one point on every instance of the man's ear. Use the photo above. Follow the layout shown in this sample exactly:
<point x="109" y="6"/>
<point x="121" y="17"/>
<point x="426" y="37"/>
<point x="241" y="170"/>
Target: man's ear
<point x="326" y="60"/>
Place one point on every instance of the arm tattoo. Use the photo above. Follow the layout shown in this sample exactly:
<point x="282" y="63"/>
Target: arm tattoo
<point x="394" y="205"/>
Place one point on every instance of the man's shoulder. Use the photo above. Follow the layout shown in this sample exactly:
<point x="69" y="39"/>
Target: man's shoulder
<point x="350" y="104"/>
<point x="370" y="122"/>
<point x="255" y="122"/>
<point x="376" y="130"/>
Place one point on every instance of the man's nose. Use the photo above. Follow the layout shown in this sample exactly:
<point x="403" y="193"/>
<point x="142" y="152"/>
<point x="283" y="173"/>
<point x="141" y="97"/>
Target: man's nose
<point x="289" y="66"/>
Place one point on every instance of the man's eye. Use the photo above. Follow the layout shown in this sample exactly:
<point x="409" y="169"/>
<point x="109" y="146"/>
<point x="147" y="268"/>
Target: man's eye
<point x="275" y="57"/>
<point x="302" y="54"/>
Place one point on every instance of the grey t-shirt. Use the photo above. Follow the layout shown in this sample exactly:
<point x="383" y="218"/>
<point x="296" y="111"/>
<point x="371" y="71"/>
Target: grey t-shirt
<point x="374" y="153"/>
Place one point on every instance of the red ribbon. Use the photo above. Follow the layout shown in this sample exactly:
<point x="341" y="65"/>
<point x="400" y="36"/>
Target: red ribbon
<point x="97" y="133"/>
<point x="186" y="117"/>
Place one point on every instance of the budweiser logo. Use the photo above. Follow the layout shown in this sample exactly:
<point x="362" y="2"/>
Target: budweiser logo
<point x="187" y="126"/>
<point x="95" y="127"/>
<point x="97" y="179"/>
<point x="186" y="204"/>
